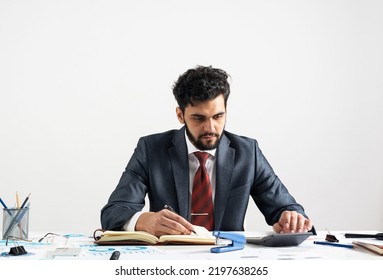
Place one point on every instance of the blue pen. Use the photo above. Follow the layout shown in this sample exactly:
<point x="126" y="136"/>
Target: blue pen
<point x="334" y="244"/>
<point x="2" y="202"/>
<point x="5" y="207"/>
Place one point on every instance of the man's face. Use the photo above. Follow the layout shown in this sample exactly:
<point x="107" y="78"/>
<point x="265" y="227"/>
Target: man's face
<point x="204" y="122"/>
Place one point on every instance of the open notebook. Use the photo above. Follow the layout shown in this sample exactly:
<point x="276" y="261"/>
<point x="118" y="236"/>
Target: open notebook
<point x="109" y="237"/>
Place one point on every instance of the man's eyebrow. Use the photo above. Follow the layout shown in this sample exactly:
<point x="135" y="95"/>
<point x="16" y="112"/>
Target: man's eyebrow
<point x="198" y="115"/>
<point x="204" y="116"/>
<point x="220" y="113"/>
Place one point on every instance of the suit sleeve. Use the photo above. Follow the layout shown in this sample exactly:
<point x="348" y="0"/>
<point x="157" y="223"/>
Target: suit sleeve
<point x="269" y="193"/>
<point x="129" y="196"/>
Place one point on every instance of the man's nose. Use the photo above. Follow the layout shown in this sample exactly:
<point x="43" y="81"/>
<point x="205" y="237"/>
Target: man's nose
<point x="209" y="125"/>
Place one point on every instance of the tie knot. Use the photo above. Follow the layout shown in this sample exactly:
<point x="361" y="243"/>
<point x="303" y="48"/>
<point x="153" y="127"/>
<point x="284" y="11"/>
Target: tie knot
<point x="202" y="157"/>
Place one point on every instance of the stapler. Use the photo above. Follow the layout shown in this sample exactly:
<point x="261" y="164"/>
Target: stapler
<point x="237" y="242"/>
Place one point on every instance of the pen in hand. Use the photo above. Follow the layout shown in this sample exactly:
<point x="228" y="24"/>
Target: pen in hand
<point x="168" y="207"/>
<point x="115" y="255"/>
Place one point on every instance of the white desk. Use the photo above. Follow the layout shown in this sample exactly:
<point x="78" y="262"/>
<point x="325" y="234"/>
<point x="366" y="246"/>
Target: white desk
<point x="300" y="262"/>
<point x="89" y="251"/>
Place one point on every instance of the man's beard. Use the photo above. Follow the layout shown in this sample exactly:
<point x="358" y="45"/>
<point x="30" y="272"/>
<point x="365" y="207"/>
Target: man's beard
<point x="198" y="142"/>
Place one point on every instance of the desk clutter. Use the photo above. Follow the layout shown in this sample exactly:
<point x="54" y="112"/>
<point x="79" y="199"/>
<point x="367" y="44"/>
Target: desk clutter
<point x="17" y="243"/>
<point x="73" y="246"/>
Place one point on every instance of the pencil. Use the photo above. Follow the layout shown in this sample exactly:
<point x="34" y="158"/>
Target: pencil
<point x="17" y="200"/>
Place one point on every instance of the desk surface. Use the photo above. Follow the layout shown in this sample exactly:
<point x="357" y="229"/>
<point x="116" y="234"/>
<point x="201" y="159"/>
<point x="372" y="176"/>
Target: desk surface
<point x="87" y="250"/>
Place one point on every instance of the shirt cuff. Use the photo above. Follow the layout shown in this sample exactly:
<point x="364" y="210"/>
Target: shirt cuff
<point x="131" y="224"/>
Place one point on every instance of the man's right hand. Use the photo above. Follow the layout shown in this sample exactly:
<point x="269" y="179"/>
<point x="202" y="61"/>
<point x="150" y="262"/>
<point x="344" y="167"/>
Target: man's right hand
<point x="163" y="222"/>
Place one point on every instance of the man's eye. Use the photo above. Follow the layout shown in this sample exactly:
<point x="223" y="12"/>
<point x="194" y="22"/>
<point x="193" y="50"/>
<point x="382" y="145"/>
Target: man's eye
<point x="199" y="119"/>
<point x="218" y="116"/>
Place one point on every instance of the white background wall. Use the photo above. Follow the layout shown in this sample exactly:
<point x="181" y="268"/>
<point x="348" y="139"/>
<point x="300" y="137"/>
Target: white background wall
<point x="81" y="81"/>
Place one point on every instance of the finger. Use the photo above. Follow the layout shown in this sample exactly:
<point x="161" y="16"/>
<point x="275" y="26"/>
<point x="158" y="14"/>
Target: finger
<point x="300" y="225"/>
<point x="179" y="219"/>
<point x="287" y="216"/>
<point x="174" y="227"/>
<point x="174" y="223"/>
<point x="293" y="221"/>
<point x="308" y="225"/>
<point x="284" y="221"/>
<point x="278" y="228"/>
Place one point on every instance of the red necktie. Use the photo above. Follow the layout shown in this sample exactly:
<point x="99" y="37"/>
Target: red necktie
<point x="202" y="202"/>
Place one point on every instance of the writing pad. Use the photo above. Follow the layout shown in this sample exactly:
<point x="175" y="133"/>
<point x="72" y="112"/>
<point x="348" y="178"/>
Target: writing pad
<point x="279" y="240"/>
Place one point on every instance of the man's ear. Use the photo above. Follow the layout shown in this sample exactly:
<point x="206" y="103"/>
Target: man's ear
<point x="180" y="115"/>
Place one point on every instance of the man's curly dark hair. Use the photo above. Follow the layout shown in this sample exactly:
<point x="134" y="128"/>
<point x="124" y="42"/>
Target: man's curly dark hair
<point x="202" y="83"/>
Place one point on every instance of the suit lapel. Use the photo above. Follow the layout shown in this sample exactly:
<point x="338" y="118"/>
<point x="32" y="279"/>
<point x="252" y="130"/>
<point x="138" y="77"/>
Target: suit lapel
<point x="224" y="170"/>
<point x="179" y="161"/>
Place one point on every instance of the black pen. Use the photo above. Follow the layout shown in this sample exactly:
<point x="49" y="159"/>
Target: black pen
<point x="363" y="235"/>
<point x="168" y="207"/>
<point x="115" y="255"/>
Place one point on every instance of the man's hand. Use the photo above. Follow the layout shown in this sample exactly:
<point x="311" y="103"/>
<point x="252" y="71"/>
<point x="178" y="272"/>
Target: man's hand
<point x="291" y="222"/>
<point x="163" y="222"/>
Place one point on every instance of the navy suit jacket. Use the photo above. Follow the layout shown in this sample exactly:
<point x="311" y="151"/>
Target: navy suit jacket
<point x="159" y="168"/>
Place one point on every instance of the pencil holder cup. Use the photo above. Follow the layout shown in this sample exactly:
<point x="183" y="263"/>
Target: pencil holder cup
<point x="16" y="223"/>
